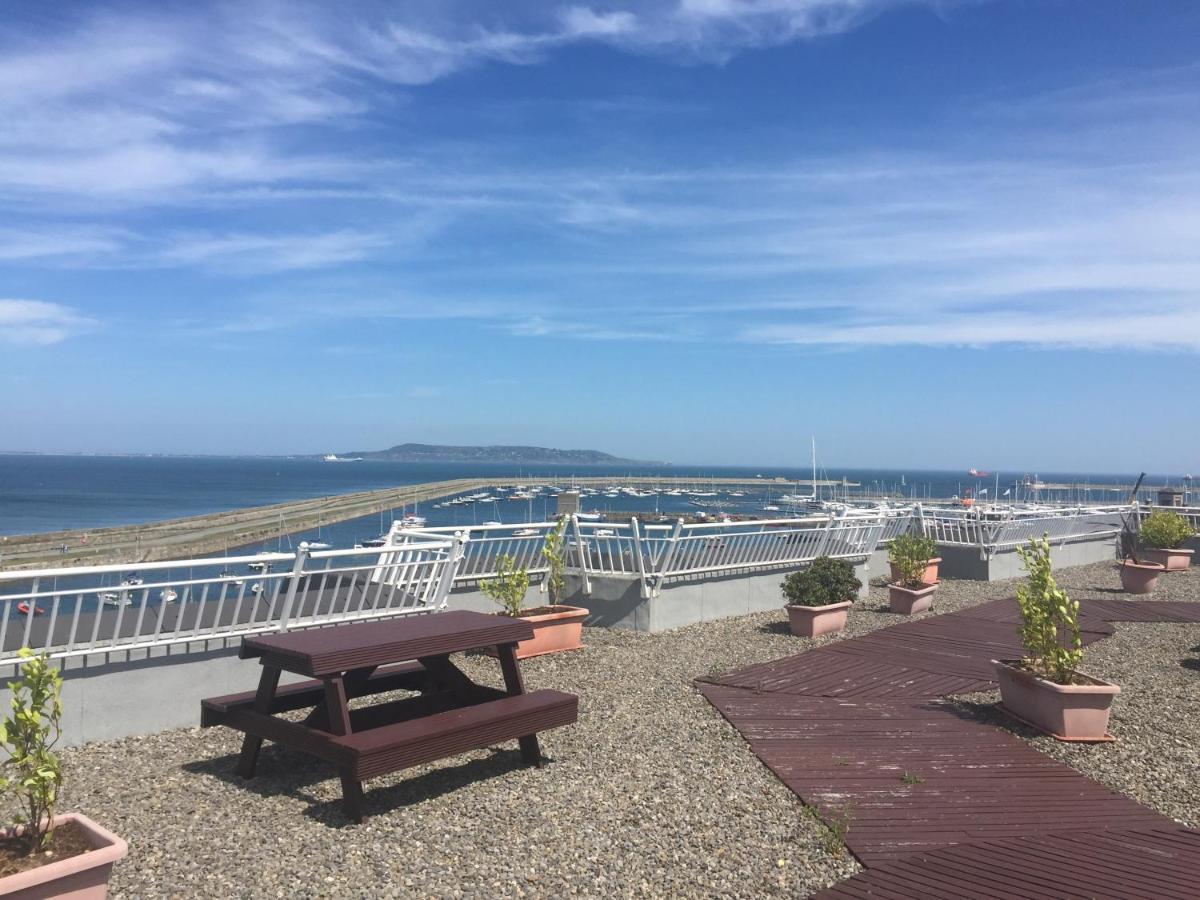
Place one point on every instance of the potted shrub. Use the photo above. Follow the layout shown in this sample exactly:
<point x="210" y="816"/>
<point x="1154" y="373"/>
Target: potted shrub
<point x="555" y="626"/>
<point x="43" y="854"/>
<point x="910" y="556"/>
<point x="819" y="596"/>
<point x="1163" y="534"/>
<point x="929" y="576"/>
<point x="1045" y="689"/>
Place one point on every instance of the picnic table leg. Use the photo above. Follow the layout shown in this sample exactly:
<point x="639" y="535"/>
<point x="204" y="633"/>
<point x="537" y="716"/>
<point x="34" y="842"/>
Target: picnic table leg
<point x="338" y="710"/>
<point x="514" y="684"/>
<point x="268" y="682"/>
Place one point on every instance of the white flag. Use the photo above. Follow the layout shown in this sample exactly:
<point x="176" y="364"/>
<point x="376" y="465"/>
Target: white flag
<point x="983" y="491"/>
<point x="1007" y="491"/>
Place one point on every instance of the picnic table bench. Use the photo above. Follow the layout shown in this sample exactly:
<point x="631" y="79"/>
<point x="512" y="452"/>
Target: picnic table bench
<point x="448" y="714"/>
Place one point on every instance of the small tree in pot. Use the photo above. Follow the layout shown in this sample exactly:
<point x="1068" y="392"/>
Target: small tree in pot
<point x="46" y="855"/>
<point x="555" y="627"/>
<point x="910" y="556"/>
<point x="818" y="597"/>
<point x="1045" y="688"/>
<point x="1163" y="534"/>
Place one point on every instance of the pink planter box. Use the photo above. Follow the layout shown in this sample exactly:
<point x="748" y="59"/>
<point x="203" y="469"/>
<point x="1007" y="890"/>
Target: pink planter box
<point x="1069" y="712"/>
<point x="1139" y="578"/>
<point x="908" y="601"/>
<point x="811" y="621"/>
<point x="1173" y="560"/>
<point x="82" y="877"/>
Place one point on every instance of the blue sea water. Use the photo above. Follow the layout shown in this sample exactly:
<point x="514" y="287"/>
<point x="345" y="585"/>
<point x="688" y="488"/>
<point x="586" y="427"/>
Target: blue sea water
<point x="40" y="493"/>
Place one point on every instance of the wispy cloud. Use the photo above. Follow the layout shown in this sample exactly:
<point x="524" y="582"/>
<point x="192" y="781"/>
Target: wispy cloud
<point x="39" y="322"/>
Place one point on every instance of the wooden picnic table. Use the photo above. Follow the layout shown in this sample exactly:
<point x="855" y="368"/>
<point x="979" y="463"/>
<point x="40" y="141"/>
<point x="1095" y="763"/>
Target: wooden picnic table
<point x="448" y="714"/>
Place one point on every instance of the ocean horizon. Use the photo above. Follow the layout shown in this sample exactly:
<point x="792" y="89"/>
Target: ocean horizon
<point x="53" y="492"/>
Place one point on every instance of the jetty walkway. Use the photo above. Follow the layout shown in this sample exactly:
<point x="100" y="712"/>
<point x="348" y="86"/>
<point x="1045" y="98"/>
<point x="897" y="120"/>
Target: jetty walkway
<point x="197" y="535"/>
<point x="934" y="803"/>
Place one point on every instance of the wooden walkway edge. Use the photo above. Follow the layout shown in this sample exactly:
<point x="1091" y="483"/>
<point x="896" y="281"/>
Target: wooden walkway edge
<point x="937" y="804"/>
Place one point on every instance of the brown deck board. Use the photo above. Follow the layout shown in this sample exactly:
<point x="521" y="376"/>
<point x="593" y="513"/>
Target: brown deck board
<point x="992" y="817"/>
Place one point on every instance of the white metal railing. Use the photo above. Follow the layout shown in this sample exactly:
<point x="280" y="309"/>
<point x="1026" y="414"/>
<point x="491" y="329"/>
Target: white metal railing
<point x="653" y="553"/>
<point x="1191" y="513"/>
<point x="86" y="609"/>
<point x="992" y="530"/>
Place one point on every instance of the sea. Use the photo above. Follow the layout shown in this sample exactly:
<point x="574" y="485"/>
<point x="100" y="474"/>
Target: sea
<point x="41" y="493"/>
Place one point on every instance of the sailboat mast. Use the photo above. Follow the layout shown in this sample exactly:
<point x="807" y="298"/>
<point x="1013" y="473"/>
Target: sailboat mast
<point x="814" y="466"/>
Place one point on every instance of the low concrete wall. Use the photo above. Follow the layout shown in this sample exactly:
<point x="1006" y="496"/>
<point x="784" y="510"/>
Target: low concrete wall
<point x="617" y="602"/>
<point x="970" y="563"/>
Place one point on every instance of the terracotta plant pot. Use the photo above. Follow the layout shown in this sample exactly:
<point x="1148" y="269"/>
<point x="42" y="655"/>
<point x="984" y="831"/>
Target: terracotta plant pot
<point x="1139" y="578"/>
<point x="811" y="621"/>
<point x="1174" y="559"/>
<point x="909" y="601"/>
<point x="1069" y="712"/>
<point x="82" y="877"/>
<point x="554" y="631"/>
<point x="929" y="577"/>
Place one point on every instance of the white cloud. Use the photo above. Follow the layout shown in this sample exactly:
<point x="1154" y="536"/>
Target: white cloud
<point x="39" y="322"/>
<point x="256" y="253"/>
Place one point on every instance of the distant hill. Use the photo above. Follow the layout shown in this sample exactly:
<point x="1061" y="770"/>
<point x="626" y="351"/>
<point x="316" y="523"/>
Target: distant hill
<point x="491" y="454"/>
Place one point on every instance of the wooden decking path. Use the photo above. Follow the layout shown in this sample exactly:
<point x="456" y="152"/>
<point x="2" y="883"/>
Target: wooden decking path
<point x="936" y="804"/>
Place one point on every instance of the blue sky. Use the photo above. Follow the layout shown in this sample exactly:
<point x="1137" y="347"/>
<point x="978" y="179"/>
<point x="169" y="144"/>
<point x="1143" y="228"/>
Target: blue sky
<point x="931" y="233"/>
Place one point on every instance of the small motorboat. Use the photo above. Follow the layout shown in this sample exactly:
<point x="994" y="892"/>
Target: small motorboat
<point x="168" y="595"/>
<point x="112" y="598"/>
<point x="24" y="608"/>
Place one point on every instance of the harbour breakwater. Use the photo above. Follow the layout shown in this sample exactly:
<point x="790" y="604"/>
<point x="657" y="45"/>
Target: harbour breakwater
<point x="195" y="536"/>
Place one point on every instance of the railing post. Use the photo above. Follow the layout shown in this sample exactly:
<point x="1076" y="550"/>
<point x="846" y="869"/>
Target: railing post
<point x="825" y="538"/>
<point x="446" y="581"/>
<point x="581" y="549"/>
<point x="293" y="583"/>
<point x="643" y="588"/>
<point x="668" y="557"/>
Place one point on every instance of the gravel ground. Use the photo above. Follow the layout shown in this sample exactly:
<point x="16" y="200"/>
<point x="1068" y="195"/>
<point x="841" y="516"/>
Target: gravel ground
<point x="650" y="794"/>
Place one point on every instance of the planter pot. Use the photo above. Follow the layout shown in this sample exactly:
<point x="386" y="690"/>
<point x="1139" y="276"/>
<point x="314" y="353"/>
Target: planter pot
<point x="1139" y="578"/>
<point x="1172" y="560"/>
<point x="931" y="571"/>
<point x="811" y="621"/>
<point x="1069" y="712"/>
<point x="553" y="631"/>
<point x="909" y="601"/>
<point x="82" y="877"/>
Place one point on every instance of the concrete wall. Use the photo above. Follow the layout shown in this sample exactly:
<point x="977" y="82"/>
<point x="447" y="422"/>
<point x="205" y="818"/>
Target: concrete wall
<point x="970" y="563"/>
<point x="617" y="602"/>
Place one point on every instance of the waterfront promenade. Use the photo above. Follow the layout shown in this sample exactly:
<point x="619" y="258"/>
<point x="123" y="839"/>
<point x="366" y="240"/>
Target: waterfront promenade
<point x="198" y="535"/>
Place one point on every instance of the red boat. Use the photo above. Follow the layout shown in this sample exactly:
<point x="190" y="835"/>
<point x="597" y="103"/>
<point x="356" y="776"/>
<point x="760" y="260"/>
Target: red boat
<point x="23" y="607"/>
<point x="976" y="473"/>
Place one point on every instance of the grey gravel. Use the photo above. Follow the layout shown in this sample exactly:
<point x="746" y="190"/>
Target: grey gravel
<point x="650" y="794"/>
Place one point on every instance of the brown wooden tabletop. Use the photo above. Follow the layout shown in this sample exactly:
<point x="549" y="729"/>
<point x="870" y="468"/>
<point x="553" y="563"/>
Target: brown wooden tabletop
<point x="323" y="651"/>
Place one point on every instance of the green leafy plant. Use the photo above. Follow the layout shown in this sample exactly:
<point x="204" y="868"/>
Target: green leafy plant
<point x="32" y="773"/>
<point x="509" y="586"/>
<point x="910" y="778"/>
<point x="910" y="554"/>
<point x="1049" y="618"/>
<point x="554" y="553"/>
<point x="823" y="582"/>
<point x="834" y="827"/>
<point x="1165" y="530"/>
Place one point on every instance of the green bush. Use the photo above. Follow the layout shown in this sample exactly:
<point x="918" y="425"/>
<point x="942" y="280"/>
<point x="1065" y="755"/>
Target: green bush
<point x="1049" y="618"/>
<point x="32" y="773"/>
<point x="508" y="587"/>
<point x="823" y="582"/>
<point x="910" y="554"/>
<point x="1165" y="530"/>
